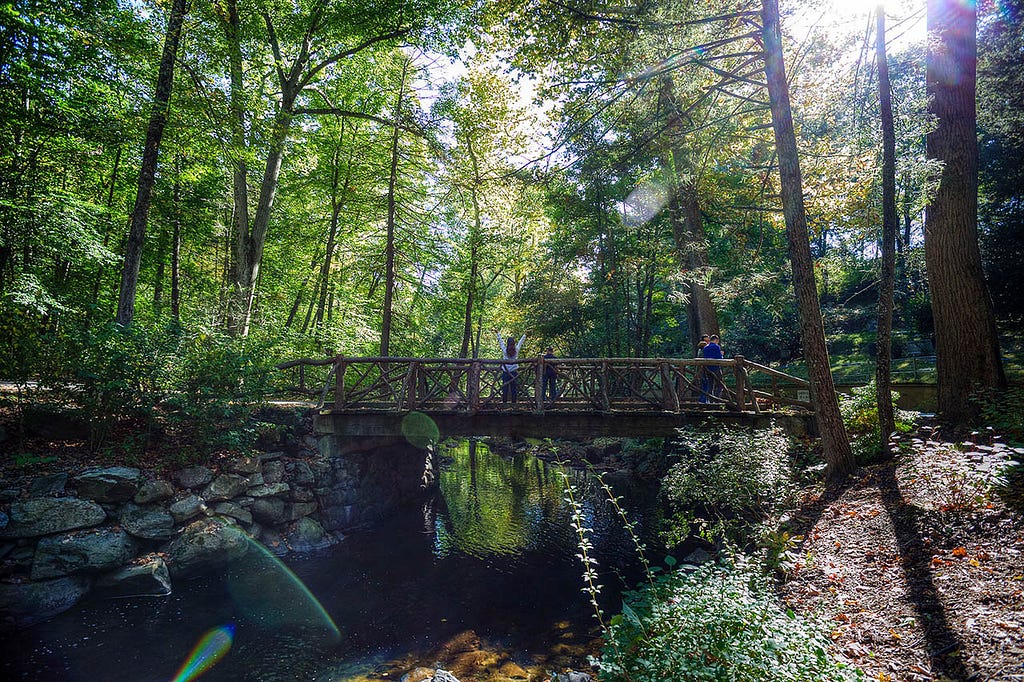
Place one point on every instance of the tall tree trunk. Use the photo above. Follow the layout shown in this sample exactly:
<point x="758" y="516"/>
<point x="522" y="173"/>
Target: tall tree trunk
<point x="389" y="249"/>
<point x="835" y="444"/>
<point x="703" y="316"/>
<point x="147" y="173"/>
<point x="474" y="244"/>
<point x="966" y="341"/>
<point x="176" y="269"/>
<point x="239" y="170"/>
<point x="886" y="419"/>
<point x="337" y="201"/>
<point x="158" y="279"/>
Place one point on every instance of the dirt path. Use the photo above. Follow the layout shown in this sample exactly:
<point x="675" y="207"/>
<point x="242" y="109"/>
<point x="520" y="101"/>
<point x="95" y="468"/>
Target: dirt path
<point x="920" y="570"/>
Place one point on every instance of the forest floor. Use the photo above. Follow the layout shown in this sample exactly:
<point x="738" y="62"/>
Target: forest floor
<point x="920" y="569"/>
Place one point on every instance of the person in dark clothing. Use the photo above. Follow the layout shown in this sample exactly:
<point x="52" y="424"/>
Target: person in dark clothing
<point x="701" y="374"/>
<point x="712" y="351"/>
<point x="549" y="390"/>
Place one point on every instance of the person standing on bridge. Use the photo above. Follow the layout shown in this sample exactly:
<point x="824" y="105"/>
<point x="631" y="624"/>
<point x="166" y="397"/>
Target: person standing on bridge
<point x="510" y="367"/>
<point x="548" y="387"/>
<point x="713" y="351"/>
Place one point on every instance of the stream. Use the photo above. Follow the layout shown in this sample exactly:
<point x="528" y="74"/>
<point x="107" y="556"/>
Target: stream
<point x="493" y="552"/>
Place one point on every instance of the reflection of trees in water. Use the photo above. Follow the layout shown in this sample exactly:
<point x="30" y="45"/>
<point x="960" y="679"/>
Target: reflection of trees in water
<point x="496" y="505"/>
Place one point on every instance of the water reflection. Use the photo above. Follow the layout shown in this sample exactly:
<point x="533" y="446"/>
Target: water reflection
<point x="493" y="553"/>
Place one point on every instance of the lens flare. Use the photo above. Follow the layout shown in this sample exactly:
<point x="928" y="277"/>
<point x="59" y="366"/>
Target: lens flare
<point x="420" y="430"/>
<point x="644" y="202"/>
<point x="270" y="595"/>
<point x="211" y="647"/>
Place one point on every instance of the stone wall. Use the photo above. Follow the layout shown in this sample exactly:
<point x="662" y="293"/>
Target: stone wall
<point x="125" y="531"/>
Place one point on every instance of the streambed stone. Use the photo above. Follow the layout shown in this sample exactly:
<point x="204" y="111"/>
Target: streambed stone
<point x="87" y="551"/>
<point x="47" y="515"/>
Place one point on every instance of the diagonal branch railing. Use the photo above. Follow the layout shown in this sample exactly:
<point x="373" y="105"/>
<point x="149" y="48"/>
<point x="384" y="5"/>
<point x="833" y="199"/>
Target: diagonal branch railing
<point x="386" y="384"/>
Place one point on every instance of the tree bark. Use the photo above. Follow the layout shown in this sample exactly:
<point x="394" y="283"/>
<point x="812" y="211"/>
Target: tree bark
<point x="474" y="245"/>
<point x="966" y="340"/>
<point x="389" y="248"/>
<point x="835" y="444"/>
<point x="887" y="277"/>
<point x="147" y="173"/>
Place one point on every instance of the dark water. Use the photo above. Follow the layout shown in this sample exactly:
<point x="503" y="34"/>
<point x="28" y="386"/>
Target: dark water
<point x="494" y="552"/>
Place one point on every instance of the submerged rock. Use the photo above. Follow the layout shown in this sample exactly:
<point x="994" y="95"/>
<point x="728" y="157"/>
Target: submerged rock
<point x="47" y="515"/>
<point x="147" y="577"/>
<point x="25" y="604"/>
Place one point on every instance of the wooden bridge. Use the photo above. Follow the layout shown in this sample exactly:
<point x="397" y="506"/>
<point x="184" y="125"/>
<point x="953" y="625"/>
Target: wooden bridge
<point x="371" y="396"/>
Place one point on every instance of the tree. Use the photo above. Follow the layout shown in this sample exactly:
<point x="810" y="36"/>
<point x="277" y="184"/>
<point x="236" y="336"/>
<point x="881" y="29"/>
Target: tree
<point x="966" y="341"/>
<point x="147" y="173"/>
<point x="836" y="445"/>
<point x="886" y="419"/>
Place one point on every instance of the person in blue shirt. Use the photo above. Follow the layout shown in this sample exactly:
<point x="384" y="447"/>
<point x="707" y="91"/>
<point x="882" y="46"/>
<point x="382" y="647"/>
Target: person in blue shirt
<point x="712" y="351"/>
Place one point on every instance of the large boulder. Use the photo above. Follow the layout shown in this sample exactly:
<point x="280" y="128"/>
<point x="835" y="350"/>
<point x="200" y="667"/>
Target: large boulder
<point x="154" y="491"/>
<point x="109" y="484"/>
<point x="204" y="545"/>
<point x="234" y="511"/>
<point x="25" y="604"/>
<point x="47" y="515"/>
<point x="87" y="551"/>
<point x="302" y="474"/>
<point x="225" y="487"/>
<point x="147" y="576"/>
<point x="273" y="471"/>
<point x="148" y="523"/>
<point x="245" y="465"/>
<point x="193" y="477"/>
<point x="268" y="490"/>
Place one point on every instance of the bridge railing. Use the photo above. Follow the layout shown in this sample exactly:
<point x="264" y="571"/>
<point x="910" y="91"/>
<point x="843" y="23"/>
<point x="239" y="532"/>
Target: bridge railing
<point x="582" y="384"/>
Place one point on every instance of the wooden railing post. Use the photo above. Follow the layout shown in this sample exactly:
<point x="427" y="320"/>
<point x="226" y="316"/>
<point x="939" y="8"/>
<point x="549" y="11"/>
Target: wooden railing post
<point x="538" y="386"/>
<point x="739" y="375"/>
<point x="669" y="398"/>
<point x="473" y="387"/>
<point x="412" y="386"/>
<point x="339" y="381"/>
<point x="605" y="399"/>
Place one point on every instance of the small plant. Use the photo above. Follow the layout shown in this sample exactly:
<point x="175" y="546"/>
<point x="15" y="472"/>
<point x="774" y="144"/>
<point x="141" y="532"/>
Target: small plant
<point x="1003" y="412"/>
<point x="725" y="480"/>
<point x="860" y="415"/>
<point x="717" y="622"/>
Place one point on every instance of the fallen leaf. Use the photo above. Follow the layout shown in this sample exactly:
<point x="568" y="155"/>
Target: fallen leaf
<point x="960" y="552"/>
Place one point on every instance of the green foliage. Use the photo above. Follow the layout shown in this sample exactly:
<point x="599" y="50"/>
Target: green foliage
<point x="1003" y="411"/>
<point x="717" y="622"/>
<point x="116" y="375"/>
<point x="725" y="479"/>
<point x="860" y="415"/>
<point x="216" y="384"/>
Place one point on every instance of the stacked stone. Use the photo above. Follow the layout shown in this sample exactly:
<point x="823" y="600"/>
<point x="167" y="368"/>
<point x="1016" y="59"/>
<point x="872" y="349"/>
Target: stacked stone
<point x="123" y="532"/>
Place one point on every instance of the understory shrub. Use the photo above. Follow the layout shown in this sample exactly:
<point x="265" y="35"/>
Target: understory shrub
<point x="725" y="479"/>
<point x="1003" y="411"/>
<point x="717" y="622"/>
<point x="116" y="378"/>
<point x="216" y="383"/>
<point x="860" y="415"/>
